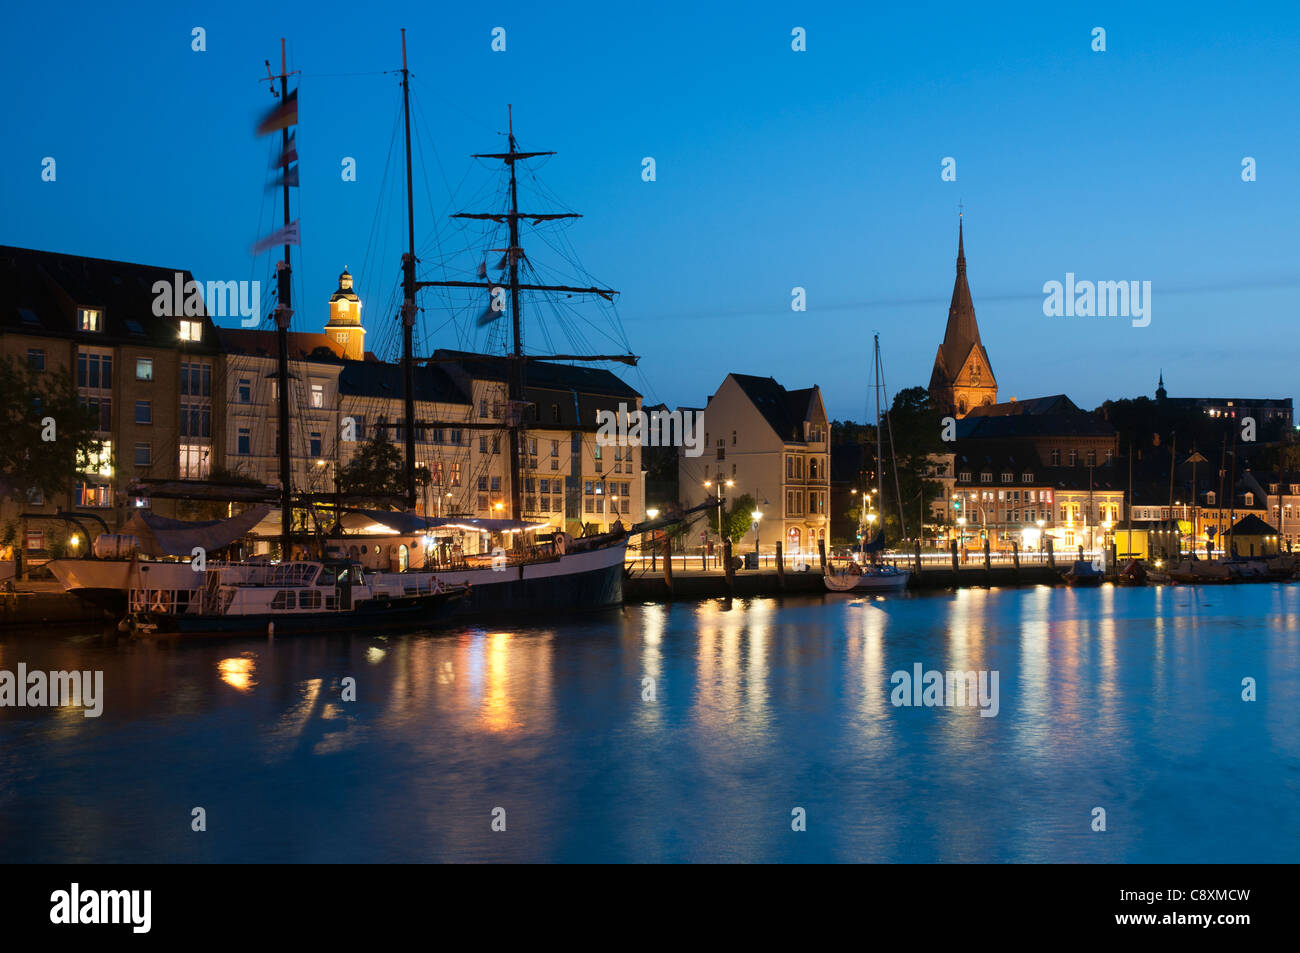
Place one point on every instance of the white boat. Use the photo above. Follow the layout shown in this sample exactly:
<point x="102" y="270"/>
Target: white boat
<point x="855" y="578"/>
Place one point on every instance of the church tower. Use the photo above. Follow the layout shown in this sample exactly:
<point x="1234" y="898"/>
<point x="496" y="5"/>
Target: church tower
<point x="962" y="378"/>
<point x="344" y="326"/>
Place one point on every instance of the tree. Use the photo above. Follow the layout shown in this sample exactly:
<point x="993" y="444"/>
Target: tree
<point x="377" y="469"/>
<point x="48" y="436"/>
<point x="739" y="517"/>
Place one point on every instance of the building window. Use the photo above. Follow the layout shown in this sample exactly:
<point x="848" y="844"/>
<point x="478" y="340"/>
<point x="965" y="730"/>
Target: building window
<point x="1092" y="458"/>
<point x="1055" y="457"/>
<point x="315" y="444"/>
<point x="455" y="474"/>
<point x="143" y="454"/>
<point x="144" y="412"/>
<point x="196" y="379"/>
<point x="194" y="463"/>
<point x="1008" y="477"/>
<point x="318" y="395"/>
<point x="482" y="407"/>
<point x="496" y="484"/>
<point x="89" y="319"/>
<point x="36" y="358"/>
<point x="35" y="540"/>
<point x="986" y="477"/>
<point x="555" y="413"/>
<point x="244" y="391"/>
<point x="482" y="444"/>
<point x="244" y="442"/>
<point x="191" y="330"/>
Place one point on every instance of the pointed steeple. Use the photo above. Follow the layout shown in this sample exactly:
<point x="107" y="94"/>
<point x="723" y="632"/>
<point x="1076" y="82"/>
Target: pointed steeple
<point x="962" y="377"/>
<point x="1160" y="388"/>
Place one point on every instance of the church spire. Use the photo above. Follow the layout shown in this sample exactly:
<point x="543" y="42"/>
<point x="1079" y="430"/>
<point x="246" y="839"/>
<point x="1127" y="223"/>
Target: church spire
<point x="962" y="378"/>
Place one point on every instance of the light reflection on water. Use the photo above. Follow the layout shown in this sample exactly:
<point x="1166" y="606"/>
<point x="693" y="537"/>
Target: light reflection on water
<point x="686" y="732"/>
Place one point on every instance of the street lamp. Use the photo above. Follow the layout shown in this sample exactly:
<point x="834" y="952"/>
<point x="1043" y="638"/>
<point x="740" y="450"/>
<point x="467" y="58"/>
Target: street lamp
<point x="653" y="514"/>
<point x="756" y="517"/>
<point x="961" y="536"/>
<point x="722" y="484"/>
<point x="1040" y="539"/>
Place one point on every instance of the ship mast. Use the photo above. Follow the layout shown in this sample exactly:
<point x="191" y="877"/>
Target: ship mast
<point x="283" y="315"/>
<point x="516" y="357"/>
<point x="408" y="296"/>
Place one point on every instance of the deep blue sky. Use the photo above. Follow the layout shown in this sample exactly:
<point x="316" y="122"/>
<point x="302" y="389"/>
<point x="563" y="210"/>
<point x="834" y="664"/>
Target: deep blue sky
<point x="775" y="169"/>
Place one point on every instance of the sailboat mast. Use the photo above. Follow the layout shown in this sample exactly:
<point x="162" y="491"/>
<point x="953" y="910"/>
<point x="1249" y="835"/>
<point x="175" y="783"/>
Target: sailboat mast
<point x="515" y="388"/>
<point x="408" y="297"/>
<point x="880" y="459"/>
<point x="283" y="314"/>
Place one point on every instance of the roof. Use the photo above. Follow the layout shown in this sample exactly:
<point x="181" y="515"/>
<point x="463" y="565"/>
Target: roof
<point x="1252" y="525"/>
<point x="40" y="292"/>
<point x="375" y="379"/>
<point x="998" y="458"/>
<point x="784" y="410"/>
<point x="303" y="345"/>
<point x="1056" y="404"/>
<point x="541" y="375"/>
<point x="1079" y="424"/>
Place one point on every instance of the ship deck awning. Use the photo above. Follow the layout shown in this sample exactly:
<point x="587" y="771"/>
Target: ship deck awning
<point x="407" y="523"/>
<point x="161" y="536"/>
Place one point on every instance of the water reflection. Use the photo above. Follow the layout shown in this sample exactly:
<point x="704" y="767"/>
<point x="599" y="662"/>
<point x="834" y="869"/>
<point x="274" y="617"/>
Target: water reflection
<point x="1123" y="698"/>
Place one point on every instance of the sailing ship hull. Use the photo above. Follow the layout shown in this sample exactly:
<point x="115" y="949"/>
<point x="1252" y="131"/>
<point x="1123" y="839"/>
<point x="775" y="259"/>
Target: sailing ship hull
<point x="378" y="615"/>
<point x="574" y="582"/>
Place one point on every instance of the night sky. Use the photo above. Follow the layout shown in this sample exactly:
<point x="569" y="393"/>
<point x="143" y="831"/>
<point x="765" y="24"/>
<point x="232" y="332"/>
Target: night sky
<point x="775" y="169"/>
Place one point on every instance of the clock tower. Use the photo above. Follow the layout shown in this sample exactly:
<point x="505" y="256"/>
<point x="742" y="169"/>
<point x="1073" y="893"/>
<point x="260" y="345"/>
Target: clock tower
<point x="962" y="378"/>
<point x="344" y="326"/>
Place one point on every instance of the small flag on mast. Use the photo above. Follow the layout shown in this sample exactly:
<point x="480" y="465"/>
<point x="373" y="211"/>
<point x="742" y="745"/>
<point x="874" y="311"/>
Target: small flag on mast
<point x="282" y="116"/>
<point x="284" y="236"/>
<point x="290" y="153"/>
<point x="289" y="177"/>
<point x="482" y="269"/>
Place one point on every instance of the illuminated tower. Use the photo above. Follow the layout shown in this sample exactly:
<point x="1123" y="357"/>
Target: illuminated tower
<point x="962" y="378"/>
<point x="344" y="326"/>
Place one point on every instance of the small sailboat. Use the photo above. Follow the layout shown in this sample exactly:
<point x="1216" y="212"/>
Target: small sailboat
<point x="1083" y="573"/>
<point x="866" y="573"/>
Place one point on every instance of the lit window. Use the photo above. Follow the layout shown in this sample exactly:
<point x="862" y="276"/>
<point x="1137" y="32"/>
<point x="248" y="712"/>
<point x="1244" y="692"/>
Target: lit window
<point x="144" y="369"/>
<point x="317" y="395"/>
<point x="191" y="330"/>
<point x="88" y="319"/>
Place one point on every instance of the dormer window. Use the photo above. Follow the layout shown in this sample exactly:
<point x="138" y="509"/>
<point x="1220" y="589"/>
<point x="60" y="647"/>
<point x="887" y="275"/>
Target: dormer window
<point x="1272" y="488"/>
<point x="1026" y="478"/>
<point x="191" y="330"/>
<point x="986" y="477"/>
<point x="1008" y="477"/>
<point x="90" y="319"/>
<point x="964" y="476"/>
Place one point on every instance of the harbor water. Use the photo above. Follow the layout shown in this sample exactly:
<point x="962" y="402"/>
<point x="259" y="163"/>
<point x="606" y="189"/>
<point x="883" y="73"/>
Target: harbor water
<point x="758" y="729"/>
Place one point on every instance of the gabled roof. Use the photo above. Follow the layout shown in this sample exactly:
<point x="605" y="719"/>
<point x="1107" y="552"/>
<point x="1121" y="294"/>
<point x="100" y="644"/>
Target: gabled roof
<point x="1252" y="525"/>
<point x="375" y="379"/>
<point x="40" y="292"/>
<point x="1007" y="426"/>
<point x="784" y="410"/>
<point x="998" y="458"/>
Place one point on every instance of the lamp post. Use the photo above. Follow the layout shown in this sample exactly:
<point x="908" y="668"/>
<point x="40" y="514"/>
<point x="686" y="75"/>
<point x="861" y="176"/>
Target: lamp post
<point x="722" y="485"/>
<point x="961" y="536"/>
<point x="756" y="517"/>
<point x="653" y="514"/>
<point x="1040" y="539"/>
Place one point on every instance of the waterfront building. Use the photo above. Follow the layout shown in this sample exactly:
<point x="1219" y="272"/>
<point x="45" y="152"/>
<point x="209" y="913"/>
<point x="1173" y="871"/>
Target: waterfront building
<point x="962" y="378"/>
<point x="999" y="492"/>
<point x="772" y="444"/>
<point x="1061" y="434"/>
<point x="1281" y="494"/>
<point x="148" y="377"/>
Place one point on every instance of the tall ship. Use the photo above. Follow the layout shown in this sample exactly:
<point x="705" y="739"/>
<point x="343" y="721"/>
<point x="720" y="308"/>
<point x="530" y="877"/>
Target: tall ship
<point x="520" y="562"/>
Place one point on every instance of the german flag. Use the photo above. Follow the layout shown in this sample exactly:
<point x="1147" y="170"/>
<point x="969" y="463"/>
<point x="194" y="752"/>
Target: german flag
<point x="281" y="117"/>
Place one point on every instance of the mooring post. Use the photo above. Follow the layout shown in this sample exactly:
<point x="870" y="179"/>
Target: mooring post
<point x="821" y="553"/>
<point x="668" y="563"/>
<point x="728" y="568"/>
<point x="918" y="557"/>
<point x="953" y="544"/>
<point x="780" y="565"/>
<point x="1015" y="558"/>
